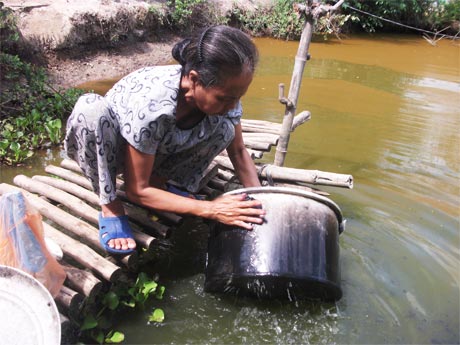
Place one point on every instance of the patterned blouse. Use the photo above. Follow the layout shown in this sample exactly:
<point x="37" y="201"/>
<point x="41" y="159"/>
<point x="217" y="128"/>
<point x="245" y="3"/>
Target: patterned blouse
<point x="145" y="104"/>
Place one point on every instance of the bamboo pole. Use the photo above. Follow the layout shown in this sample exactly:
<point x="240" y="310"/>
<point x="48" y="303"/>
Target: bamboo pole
<point x="291" y="101"/>
<point x="254" y="154"/>
<point x="142" y="216"/>
<point x="315" y="177"/>
<point x="68" y="330"/>
<point x="69" y="187"/>
<point x="311" y="11"/>
<point x="218" y="183"/>
<point x="84" y="255"/>
<point x="82" y="181"/>
<point x="76" y="205"/>
<point x="69" y="176"/>
<point x="261" y="137"/>
<point x="70" y="302"/>
<point x="82" y="281"/>
<point x="82" y="230"/>
<point x="135" y="213"/>
<point x="80" y="208"/>
<point x="77" y="226"/>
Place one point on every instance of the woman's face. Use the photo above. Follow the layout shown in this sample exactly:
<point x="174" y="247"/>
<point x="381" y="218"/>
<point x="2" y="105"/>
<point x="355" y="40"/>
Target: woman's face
<point x="217" y="100"/>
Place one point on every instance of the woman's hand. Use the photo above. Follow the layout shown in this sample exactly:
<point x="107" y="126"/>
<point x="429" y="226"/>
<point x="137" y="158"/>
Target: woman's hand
<point x="236" y="210"/>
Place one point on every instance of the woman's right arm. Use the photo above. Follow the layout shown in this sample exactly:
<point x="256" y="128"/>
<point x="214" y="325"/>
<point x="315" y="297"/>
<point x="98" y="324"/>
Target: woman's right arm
<point x="230" y="210"/>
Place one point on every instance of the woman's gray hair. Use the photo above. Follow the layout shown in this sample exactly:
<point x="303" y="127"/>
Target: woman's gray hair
<point x="217" y="53"/>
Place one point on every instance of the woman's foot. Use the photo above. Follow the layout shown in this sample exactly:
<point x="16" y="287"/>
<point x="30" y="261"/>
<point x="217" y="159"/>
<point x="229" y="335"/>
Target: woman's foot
<point x="114" y="231"/>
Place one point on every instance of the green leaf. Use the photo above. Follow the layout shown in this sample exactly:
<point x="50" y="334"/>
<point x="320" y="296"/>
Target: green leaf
<point x="98" y="336"/>
<point x="15" y="147"/>
<point x="90" y="322"/>
<point x="160" y="292"/>
<point x="111" y="300"/>
<point x="4" y="144"/>
<point x="114" y="337"/>
<point x="130" y="303"/>
<point x="149" y="287"/>
<point x="157" y="316"/>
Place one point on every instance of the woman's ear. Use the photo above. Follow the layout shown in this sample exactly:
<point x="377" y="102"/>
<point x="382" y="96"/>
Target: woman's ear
<point x="193" y="77"/>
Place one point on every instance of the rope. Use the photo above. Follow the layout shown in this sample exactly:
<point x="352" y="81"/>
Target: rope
<point x="400" y="24"/>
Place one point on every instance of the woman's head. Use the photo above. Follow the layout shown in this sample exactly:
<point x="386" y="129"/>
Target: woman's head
<point x="216" y="54"/>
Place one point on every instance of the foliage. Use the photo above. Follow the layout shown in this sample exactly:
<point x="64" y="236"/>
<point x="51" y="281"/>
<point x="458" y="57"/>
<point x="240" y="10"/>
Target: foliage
<point x="279" y="21"/>
<point x="31" y="112"/>
<point x="445" y="15"/>
<point x="423" y="14"/>
<point x="98" y="320"/>
<point x="187" y="15"/>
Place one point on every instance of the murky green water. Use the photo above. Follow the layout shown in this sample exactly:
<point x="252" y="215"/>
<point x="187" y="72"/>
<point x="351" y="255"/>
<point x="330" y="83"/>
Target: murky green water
<point x="387" y="111"/>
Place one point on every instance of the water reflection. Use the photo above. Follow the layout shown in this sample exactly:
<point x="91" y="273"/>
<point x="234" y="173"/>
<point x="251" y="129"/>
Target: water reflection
<point x="387" y="111"/>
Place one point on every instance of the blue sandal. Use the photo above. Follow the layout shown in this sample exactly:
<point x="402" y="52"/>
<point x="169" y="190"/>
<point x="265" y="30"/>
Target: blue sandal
<point x="111" y="228"/>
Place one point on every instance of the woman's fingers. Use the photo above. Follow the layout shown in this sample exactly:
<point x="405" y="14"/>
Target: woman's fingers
<point x="237" y="210"/>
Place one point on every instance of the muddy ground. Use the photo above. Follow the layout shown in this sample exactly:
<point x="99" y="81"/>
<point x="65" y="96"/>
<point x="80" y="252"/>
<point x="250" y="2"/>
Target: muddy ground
<point x="49" y="21"/>
<point x="68" y="69"/>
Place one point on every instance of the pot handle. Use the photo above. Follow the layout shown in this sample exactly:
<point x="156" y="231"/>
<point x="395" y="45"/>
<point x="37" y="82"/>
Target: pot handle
<point x="342" y="226"/>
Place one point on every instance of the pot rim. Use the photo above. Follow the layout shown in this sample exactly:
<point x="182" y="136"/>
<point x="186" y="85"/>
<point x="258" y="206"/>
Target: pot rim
<point x="294" y="191"/>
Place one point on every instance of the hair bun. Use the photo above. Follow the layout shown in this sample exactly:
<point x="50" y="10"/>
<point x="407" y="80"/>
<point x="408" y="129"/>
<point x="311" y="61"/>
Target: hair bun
<point x="178" y="50"/>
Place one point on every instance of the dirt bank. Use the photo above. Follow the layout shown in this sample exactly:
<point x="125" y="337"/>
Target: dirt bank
<point x="68" y="69"/>
<point x="50" y="22"/>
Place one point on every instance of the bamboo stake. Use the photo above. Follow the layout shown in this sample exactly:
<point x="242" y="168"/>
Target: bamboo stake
<point x="301" y="58"/>
<point x="291" y="101"/>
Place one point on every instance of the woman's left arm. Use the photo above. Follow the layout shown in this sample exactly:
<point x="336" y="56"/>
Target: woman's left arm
<point x="244" y="165"/>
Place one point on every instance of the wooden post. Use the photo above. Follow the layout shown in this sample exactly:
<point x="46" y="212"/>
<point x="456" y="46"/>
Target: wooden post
<point x="311" y="11"/>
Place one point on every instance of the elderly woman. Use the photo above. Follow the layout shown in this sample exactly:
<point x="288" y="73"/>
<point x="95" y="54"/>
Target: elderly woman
<point x="161" y="127"/>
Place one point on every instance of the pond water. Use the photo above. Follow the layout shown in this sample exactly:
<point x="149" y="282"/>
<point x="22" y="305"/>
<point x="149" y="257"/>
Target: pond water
<point x="386" y="110"/>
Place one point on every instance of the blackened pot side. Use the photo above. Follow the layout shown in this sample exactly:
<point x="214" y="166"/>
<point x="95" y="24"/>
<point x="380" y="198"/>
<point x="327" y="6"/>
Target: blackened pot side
<point x="293" y="255"/>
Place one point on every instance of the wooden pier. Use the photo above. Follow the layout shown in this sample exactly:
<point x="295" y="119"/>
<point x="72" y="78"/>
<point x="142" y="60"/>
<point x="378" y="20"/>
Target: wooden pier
<point x="70" y="211"/>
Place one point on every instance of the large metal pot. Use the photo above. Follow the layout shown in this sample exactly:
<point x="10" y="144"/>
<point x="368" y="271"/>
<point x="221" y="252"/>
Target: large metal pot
<point x="294" y="254"/>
